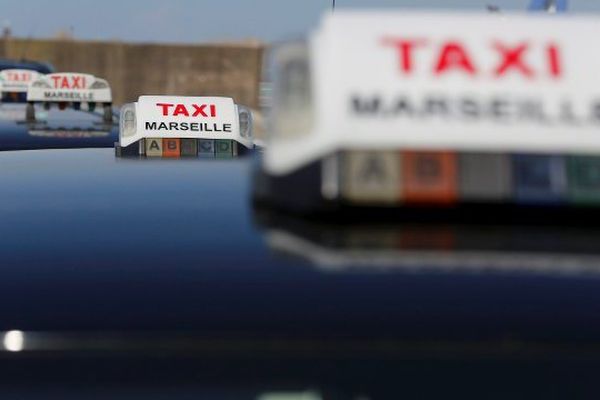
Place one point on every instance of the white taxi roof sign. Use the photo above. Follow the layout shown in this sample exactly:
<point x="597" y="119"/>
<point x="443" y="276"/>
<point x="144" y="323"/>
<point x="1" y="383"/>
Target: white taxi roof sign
<point x="69" y="87"/>
<point x="17" y="80"/>
<point x="462" y="81"/>
<point x="181" y="117"/>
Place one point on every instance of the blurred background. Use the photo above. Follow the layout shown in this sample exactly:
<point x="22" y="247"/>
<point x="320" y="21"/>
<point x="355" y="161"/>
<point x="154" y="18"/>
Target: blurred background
<point x="181" y="47"/>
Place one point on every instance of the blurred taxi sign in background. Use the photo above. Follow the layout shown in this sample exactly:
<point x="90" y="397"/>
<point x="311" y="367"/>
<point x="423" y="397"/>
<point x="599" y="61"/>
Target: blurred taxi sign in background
<point x="184" y="126"/>
<point x="14" y="84"/>
<point x="480" y="109"/>
<point x="74" y="89"/>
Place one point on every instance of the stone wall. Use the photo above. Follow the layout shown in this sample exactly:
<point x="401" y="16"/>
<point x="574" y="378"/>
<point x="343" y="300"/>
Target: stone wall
<point x="136" y="69"/>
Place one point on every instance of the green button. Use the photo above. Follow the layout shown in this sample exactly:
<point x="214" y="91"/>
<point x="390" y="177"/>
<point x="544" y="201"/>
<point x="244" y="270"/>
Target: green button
<point x="225" y="148"/>
<point x="583" y="179"/>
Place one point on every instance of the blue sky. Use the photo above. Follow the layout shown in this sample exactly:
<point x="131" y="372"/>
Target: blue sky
<point x="194" y="21"/>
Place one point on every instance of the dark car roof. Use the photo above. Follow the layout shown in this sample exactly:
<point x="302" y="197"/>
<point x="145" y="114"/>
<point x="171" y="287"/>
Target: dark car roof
<point x="163" y="272"/>
<point x="91" y="242"/>
<point x="44" y="68"/>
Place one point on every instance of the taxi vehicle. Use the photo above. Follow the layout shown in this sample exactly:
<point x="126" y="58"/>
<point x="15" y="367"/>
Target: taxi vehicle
<point x="134" y="276"/>
<point x="55" y="111"/>
<point x="157" y="278"/>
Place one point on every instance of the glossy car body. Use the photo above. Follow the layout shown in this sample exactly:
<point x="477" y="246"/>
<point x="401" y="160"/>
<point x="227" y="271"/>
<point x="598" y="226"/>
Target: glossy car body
<point x="53" y="129"/>
<point x="160" y="279"/>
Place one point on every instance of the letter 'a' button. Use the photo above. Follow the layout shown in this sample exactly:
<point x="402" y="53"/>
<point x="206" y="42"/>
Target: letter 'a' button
<point x="154" y="147"/>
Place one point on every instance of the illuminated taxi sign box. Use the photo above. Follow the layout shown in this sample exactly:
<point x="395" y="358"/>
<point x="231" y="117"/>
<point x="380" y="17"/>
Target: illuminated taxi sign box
<point x="70" y="87"/>
<point x="173" y="126"/>
<point x="17" y="80"/>
<point x="441" y="81"/>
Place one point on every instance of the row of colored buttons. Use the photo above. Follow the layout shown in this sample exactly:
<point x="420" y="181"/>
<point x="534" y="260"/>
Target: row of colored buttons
<point x="447" y="177"/>
<point x="158" y="147"/>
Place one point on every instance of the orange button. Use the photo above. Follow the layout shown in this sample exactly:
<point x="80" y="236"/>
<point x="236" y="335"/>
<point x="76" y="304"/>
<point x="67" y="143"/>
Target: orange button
<point x="429" y="177"/>
<point x="171" y="147"/>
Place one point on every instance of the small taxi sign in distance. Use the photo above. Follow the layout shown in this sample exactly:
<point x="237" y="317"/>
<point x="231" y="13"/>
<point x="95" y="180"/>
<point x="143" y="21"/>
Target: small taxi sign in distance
<point x="66" y="88"/>
<point x="69" y="87"/>
<point x="17" y="80"/>
<point x="185" y="126"/>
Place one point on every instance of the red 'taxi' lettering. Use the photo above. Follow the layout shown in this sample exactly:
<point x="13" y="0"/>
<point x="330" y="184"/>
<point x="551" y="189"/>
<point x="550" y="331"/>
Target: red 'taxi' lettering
<point x="405" y="49"/>
<point x="554" y="63"/>
<point x="56" y="79"/>
<point x="199" y="110"/>
<point x="454" y="56"/>
<point x="180" y="109"/>
<point x="512" y="58"/>
<point x="165" y="108"/>
<point x="62" y="82"/>
<point x="19" y="77"/>
<point x="78" y="82"/>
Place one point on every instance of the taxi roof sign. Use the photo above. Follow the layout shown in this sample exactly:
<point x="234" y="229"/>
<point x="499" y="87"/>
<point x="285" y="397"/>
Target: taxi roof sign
<point x="431" y="80"/>
<point x="69" y="87"/>
<point x="182" y="117"/>
<point x="17" y="80"/>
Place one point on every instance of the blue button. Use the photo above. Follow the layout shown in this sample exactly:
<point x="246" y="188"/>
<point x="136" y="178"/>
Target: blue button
<point x="539" y="179"/>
